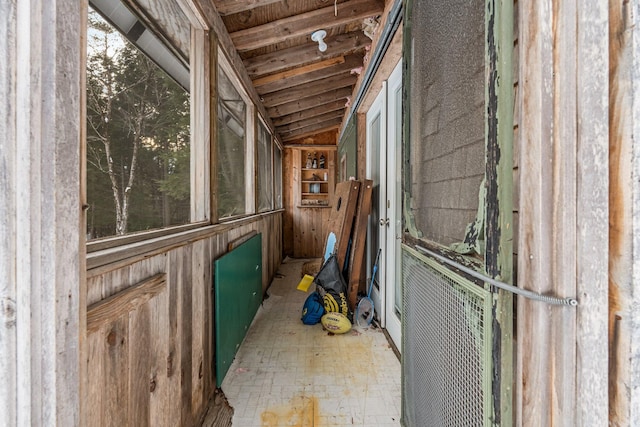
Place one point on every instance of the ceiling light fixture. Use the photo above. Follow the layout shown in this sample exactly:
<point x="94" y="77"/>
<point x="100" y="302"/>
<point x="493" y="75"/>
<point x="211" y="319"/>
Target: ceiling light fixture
<point x="318" y="36"/>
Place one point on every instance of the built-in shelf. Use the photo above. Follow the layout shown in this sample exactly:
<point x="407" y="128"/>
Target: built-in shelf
<point x="316" y="178"/>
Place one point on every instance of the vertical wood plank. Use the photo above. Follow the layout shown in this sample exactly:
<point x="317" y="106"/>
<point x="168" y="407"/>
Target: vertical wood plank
<point x="207" y="310"/>
<point x="116" y="402"/>
<point x="563" y="214"/>
<point x="634" y="111"/>
<point x="41" y="299"/>
<point x="186" y="336"/>
<point x="592" y="208"/>
<point x="356" y="259"/>
<point x="200" y="124"/>
<point x="536" y="236"/>
<point x="139" y="366"/>
<point x="197" y="325"/>
<point x="96" y="393"/>
<point x="288" y="160"/>
<point x="343" y="206"/>
<point x="159" y="385"/>
<point x="175" y="270"/>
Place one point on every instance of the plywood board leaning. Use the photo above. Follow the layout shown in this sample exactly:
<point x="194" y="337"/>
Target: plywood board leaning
<point x="343" y="208"/>
<point x="356" y="258"/>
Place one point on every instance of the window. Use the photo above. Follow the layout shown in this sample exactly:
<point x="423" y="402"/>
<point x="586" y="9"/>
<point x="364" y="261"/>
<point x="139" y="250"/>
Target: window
<point x="265" y="169"/>
<point x="234" y="160"/>
<point x="138" y="136"/>
<point x="277" y="171"/>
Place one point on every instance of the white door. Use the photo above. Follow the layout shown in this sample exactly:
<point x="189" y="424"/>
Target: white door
<point x="376" y="171"/>
<point x="384" y="137"/>
<point x="393" y="279"/>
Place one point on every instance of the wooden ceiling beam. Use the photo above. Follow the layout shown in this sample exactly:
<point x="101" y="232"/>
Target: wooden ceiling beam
<point x="229" y="7"/>
<point x="351" y="62"/>
<point x="312" y="89"/>
<point x="339" y="104"/>
<point x="312" y="130"/>
<point x="309" y="122"/>
<point x="272" y="78"/>
<point x="309" y="102"/>
<point x="299" y="56"/>
<point x="304" y="24"/>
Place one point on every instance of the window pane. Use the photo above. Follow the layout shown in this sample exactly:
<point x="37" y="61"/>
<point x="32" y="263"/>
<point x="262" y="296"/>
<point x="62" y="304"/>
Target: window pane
<point x="277" y="164"/>
<point x="138" y="160"/>
<point x="265" y="170"/>
<point x="232" y="113"/>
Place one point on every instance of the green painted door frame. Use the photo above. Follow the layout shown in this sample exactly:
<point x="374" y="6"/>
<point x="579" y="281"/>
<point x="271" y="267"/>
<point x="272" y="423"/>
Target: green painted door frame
<point x="498" y="190"/>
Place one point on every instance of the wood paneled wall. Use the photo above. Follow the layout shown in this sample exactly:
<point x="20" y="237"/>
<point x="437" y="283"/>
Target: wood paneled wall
<point x="150" y="329"/>
<point x="305" y="228"/>
<point x="562" y="368"/>
<point x="41" y="236"/>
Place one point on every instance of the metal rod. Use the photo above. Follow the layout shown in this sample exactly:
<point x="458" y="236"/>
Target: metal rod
<point x="513" y="289"/>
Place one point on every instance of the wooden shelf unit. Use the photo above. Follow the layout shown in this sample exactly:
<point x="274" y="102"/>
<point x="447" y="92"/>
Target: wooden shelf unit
<point x="316" y="184"/>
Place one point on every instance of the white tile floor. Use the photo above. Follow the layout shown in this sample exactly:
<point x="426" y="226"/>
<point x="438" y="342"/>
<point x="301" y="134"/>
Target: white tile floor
<point x="290" y="374"/>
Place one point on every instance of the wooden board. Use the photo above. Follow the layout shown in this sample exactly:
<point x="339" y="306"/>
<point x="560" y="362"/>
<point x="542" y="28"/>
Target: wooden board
<point x="343" y="208"/>
<point x="356" y="258"/>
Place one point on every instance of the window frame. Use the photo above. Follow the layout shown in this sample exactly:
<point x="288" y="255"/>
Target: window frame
<point x="250" y="140"/>
<point x="205" y="54"/>
<point x="199" y="94"/>
<point x="261" y="123"/>
<point x="278" y="204"/>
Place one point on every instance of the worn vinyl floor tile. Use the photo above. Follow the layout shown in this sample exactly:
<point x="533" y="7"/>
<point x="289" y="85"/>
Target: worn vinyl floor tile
<point x="290" y="374"/>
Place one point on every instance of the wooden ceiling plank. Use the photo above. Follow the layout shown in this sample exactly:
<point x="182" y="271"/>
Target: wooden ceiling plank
<point x="229" y="7"/>
<point x="309" y="122"/>
<point x="310" y="102"/>
<point x="299" y="56"/>
<point x="351" y="62"/>
<point x="304" y="24"/>
<point x="312" y="89"/>
<point x="297" y="71"/>
<point x="313" y="130"/>
<point x="338" y="105"/>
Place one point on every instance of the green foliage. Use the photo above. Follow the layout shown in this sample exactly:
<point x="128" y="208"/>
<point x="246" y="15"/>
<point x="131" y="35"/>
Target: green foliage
<point x="176" y="184"/>
<point x="137" y="139"/>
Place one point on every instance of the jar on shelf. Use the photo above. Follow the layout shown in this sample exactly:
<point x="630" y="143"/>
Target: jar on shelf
<point x="322" y="161"/>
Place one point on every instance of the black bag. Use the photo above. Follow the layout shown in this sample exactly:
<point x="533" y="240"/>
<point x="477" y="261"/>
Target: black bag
<point x="332" y="287"/>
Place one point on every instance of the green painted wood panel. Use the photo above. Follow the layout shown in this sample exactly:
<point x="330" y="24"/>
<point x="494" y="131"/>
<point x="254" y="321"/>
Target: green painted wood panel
<point x="238" y="294"/>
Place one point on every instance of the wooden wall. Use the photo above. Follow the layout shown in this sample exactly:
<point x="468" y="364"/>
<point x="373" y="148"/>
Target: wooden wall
<point x="624" y="215"/>
<point x="305" y="229"/>
<point x="41" y="232"/>
<point x="150" y="327"/>
<point x="562" y="367"/>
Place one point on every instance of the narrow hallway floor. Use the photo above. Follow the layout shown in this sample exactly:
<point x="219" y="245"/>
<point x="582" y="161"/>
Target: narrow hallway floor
<point x="290" y="374"/>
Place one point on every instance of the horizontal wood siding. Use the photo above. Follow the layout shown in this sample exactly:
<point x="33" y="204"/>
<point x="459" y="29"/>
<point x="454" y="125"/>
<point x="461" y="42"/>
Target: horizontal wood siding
<point x="150" y="341"/>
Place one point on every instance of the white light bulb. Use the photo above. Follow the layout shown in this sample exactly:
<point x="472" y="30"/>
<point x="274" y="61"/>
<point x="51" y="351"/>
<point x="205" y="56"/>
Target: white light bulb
<point x="318" y="36"/>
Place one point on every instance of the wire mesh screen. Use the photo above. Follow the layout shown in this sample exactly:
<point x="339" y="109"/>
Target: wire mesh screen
<point x="446" y="346"/>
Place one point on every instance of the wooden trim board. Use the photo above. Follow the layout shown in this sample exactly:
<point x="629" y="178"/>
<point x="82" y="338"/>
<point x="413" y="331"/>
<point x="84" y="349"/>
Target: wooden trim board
<point x="111" y="308"/>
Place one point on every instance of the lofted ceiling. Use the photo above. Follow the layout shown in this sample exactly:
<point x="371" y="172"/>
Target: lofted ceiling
<point x="304" y="91"/>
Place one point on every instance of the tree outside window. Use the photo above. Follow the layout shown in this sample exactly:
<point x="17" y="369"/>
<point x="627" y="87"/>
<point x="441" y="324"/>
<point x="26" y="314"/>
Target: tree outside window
<point x="138" y="153"/>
